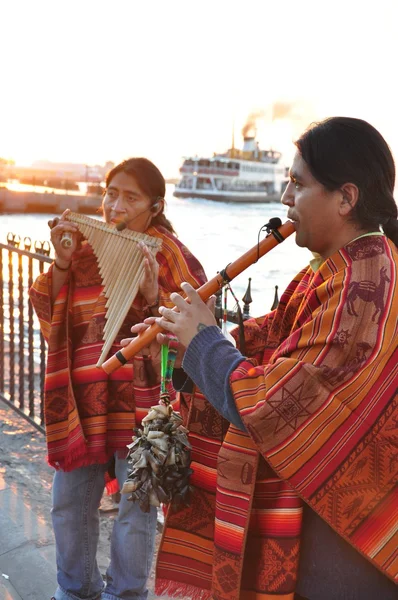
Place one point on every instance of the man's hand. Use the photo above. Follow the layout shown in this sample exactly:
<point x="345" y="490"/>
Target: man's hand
<point x="154" y="348"/>
<point x="191" y="315"/>
<point x="58" y="228"/>
<point x="149" y="286"/>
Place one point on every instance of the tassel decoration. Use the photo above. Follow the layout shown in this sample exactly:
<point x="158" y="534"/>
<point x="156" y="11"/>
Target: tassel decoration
<point x="160" y="453"/>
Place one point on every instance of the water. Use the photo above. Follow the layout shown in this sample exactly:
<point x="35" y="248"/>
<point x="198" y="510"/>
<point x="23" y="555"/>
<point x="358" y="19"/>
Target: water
<point x="217" y="234"/>
<point x="16" y="186"/>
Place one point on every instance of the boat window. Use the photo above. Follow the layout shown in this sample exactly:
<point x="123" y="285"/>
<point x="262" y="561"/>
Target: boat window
<point x="204" y="163"/>
<point x="186" y="183"/>
<point x="204" y="183"/>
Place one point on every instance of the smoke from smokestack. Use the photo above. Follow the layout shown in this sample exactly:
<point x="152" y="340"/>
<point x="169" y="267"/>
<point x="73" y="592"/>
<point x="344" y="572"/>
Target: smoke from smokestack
<point x="250" y="125"/>
<point x="282" y="110"/>
<point x="300" y="114"/>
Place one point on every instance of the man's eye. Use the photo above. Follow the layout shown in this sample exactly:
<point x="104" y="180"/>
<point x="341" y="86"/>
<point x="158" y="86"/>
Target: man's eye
<point x="295" y="182"/>
<point x="130" y="198"/>
<point x="111" y="193"/>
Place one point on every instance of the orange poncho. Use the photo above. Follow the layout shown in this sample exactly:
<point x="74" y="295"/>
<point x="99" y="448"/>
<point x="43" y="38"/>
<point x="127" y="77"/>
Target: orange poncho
<point x="318" y="396"/>
<point x="88" y="414"/>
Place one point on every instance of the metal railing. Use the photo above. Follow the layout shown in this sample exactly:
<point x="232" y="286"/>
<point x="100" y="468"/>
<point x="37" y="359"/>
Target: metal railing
<point x="22" y="346"/>
<point x="237" y="315"/>
<point x="23" y="351"/>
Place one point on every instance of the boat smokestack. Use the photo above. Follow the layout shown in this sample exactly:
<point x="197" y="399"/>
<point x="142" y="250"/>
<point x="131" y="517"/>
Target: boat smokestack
<point x="249" y="144"/>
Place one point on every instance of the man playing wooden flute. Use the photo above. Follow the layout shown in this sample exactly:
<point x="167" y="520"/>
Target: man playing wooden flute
<point x="295" y="480"/>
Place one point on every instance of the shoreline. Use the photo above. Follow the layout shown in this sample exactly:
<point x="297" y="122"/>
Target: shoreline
<point x="14" y="202"/>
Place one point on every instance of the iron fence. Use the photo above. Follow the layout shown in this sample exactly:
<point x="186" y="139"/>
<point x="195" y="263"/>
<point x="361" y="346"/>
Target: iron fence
<point x="22" y="346"/>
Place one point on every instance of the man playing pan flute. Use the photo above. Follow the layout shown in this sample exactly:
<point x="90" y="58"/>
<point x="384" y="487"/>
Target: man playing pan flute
<point x="295" y="485"/>
<point x="90" y="416"/>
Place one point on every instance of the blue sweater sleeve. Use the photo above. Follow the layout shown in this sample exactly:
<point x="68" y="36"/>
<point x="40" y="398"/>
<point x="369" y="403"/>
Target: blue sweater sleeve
<point x="209" y="360"/>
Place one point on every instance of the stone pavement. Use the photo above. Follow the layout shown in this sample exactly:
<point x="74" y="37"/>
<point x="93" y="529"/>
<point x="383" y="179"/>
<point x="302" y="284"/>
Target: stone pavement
<point x="27" y="550"/>
<point x="27" y="553"/>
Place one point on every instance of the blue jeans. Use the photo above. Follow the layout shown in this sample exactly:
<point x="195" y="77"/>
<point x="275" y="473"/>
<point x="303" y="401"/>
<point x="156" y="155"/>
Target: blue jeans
<point x="75" y="515"/>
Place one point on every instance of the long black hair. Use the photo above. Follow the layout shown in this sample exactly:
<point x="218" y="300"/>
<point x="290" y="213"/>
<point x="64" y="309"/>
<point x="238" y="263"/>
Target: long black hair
<point x="150" y="181"/>
<point x="343" y="150"/>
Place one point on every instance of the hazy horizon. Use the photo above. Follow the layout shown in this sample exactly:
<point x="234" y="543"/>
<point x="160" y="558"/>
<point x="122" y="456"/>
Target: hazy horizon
<point x="96" y="81"/>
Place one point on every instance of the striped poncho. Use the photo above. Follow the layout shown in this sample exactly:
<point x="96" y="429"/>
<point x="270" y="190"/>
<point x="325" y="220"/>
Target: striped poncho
<point x="318" y="395"/>
<point x="89" y="415"/>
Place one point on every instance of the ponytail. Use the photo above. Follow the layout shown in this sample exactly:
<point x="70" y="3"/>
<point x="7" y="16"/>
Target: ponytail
<point x="390" y="228"/>
<point x="162" y="221"/>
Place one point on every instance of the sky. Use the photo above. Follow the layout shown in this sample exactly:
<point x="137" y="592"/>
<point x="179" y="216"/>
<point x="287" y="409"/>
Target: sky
<point x="96" y="80"/>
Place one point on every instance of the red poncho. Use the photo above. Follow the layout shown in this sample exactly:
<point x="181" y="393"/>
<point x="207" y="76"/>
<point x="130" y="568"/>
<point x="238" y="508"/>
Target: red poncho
<point x="88" y="414"/>
<point x="318" y="396"/>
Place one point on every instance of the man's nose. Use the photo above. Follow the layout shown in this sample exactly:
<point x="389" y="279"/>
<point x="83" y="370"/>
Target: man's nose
<point x="119" y="204"/>
<point x="288" y="196"/>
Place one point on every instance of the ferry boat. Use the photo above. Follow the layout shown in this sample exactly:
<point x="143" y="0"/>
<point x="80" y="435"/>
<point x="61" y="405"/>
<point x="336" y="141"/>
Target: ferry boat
<point x="247" y="175"/>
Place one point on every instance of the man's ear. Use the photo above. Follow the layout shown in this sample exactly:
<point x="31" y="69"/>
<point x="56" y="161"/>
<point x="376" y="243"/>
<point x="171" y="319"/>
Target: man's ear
<point x="349" y="198"/>
<point x="158" y="207"/>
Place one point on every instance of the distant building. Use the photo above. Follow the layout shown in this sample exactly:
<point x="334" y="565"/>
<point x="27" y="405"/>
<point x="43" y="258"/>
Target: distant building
<point x="44" y="169"/>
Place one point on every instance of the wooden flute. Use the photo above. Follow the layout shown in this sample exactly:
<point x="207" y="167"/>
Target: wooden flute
<point x="277" y="234"/>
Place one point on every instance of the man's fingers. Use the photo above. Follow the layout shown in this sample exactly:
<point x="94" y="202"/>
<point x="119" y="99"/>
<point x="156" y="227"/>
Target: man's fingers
<point x="191" y="293"/>
<point x="178" y="300"/>
<point x="53" y="222"/>
<point x="162" y="338"/>
<point x="211" y="304"/>
<point x="165" y="324"/>
<point x="168" y="313"/>
<point x="147" y="253"/>
<point x="62" y="226"/>
<point x="147" y="267"/>
<point x="139" y="328"/>
<point x="125" y="341"/>
<point x="65" y="226"/>
<point x="149" y="320"/>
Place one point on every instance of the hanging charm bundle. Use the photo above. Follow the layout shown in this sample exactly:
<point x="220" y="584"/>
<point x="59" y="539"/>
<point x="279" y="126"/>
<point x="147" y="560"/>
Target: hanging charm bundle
<point x="159" y="455"/>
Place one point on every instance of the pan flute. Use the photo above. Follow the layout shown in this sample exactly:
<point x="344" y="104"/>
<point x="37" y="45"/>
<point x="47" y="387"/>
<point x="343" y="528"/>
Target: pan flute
<point x="121" y="266"/>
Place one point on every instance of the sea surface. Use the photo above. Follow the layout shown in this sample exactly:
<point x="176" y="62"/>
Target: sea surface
<point x="216" y="233"/>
